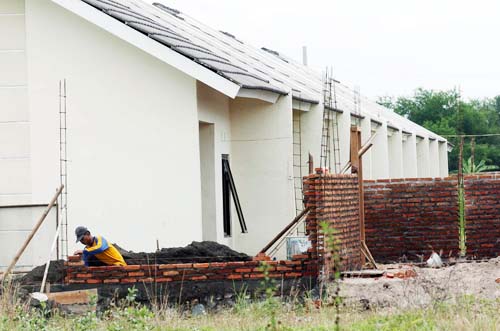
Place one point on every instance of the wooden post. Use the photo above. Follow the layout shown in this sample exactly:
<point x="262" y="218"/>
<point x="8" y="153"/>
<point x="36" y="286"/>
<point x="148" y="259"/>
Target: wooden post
<point x="361" y="192"/>
<point x="461" y="200"/>
<point x="357" y="167"/>
<point x="472" y="152"/>
<point x="33" y="232"/>
<point x="354" y="159"/>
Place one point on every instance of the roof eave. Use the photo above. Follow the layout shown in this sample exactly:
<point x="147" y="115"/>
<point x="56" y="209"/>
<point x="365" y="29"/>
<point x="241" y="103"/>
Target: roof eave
<point x="150" y="46"/>
<point x="264" y="95"/>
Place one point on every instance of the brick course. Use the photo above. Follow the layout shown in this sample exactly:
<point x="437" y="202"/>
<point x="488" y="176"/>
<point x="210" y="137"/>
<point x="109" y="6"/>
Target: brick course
<point x="185" y="272"/>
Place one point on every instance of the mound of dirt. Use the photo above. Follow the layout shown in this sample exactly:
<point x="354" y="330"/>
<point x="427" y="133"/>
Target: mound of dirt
<point x="205" y="251"/>
<point x="54" y="276"/>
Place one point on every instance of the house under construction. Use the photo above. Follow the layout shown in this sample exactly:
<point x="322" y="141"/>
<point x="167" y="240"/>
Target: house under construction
<point x="165" y="130"/>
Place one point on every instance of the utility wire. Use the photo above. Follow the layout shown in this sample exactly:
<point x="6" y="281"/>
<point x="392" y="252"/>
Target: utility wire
<point x="472" y="135"/>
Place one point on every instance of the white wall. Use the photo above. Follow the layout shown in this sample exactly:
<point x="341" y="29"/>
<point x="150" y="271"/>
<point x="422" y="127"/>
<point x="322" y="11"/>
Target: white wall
<point x="213" y="107"/>
<point x="366" y="133"/>
<point x="395" y="147"/>
<point x="443" y="159"/>
<point x="133" y="147"/>
<point x="16" y="225"/>
<point x="207" y="171"/>
<point x="380" y="152"/>
<point x="344" y="131"/>
<point x="261" y="161"/>
<point x="311" y="126"/>
<point x="434" y="166"/>
<point x="15" y="174"/>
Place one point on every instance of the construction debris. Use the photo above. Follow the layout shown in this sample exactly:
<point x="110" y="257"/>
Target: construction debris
<point x="402" y="274"/>
<point x="435" y="261"/>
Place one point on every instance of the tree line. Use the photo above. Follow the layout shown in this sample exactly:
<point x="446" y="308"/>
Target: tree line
<point x="448" y="115"/>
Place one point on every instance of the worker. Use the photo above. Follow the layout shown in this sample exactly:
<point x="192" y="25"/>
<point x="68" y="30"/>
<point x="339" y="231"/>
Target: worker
<point x="97" y="251"/>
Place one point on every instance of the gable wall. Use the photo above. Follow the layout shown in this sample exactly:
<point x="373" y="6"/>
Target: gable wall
<point x="133" y="170"/>
<point x="15" y="181"/>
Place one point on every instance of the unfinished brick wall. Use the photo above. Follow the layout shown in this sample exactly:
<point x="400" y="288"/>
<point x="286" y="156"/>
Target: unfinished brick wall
<point x="404" y="217"/>
<point x="482" y="214"/>
<point x="77" y="273"/>
<point x="334" y="199"/>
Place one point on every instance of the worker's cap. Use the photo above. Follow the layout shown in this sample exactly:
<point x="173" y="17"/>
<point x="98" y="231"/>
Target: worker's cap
<point x="80" y="232"/>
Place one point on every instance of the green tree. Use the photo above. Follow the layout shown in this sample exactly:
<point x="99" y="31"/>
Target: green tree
<point x="438" y="112"/>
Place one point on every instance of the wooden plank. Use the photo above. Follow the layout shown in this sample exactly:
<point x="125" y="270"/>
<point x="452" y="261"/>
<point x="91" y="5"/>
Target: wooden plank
<point x="363" y="273"/>
<point x="73" y="297"/>
<point x="369" y="254"/>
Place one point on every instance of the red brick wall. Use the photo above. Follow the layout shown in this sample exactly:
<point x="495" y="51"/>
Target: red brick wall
<point x="404" y="217"/>
<point x="334" y="199"/>
<point x="76" y="273"/>
<point x="482" y="213"/>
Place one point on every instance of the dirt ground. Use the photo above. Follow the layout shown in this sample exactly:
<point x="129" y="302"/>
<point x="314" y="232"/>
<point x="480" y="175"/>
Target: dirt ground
<point x="427" y="285"/>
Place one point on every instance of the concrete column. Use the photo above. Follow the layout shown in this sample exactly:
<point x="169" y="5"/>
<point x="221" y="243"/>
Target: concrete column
<point x="366" y="133"/>
<point x="423" y="169"/>
<point x="310" y="126"/>
<point x="443" y="158"/>
<point x="434" y="158"/>
<point x="344" y="125"/>
<point x="410" y="156"/>
<point x="380" y="154"/>
<point x="395" y="146"/>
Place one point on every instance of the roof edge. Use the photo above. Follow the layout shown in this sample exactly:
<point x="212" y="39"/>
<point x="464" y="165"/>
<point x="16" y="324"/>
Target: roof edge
<point x="267" y="96"/>
<point x="148" y="45"/>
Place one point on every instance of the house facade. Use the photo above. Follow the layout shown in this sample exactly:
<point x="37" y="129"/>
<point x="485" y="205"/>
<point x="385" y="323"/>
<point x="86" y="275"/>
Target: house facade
<point x="157" y="106"/>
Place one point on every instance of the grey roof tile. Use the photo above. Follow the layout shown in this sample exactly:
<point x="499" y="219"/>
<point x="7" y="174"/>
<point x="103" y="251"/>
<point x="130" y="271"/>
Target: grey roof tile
<point x="167" y="26"/>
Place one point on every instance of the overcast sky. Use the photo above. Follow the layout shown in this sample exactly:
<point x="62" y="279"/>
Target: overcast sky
<point x="386" y="47"/>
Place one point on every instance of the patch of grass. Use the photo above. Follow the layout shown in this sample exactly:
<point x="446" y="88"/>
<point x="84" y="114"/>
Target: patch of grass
<point x="468" y="313"/>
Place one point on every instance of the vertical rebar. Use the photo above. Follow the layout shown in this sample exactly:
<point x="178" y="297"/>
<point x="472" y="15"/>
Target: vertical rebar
<point x="63" y="167"/>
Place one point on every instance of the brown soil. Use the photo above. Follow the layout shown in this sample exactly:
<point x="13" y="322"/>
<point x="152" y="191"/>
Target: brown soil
<point x="429" y="285"/>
